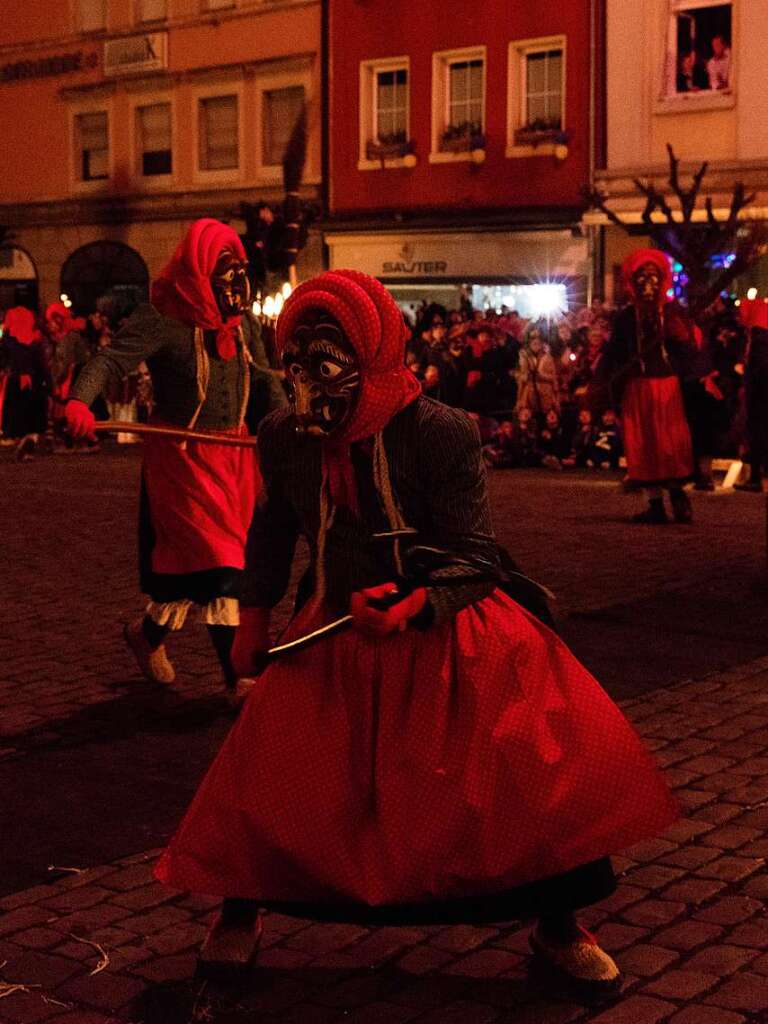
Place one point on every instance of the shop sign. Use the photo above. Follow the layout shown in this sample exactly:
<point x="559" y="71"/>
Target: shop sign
<point x="147" y="52"/>
<point x="47" y="67"/>
<point x="408" y="265"/>
<point x="467" y="255"/>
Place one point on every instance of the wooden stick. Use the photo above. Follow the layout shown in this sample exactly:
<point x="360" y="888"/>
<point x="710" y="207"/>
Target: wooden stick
<point x="179" y="432"/>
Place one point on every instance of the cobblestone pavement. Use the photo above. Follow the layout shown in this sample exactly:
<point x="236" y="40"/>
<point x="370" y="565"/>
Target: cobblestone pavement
<point x="687" y="924"/>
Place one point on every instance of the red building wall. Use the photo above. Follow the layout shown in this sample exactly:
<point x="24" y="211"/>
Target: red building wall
<point x="362" y="30"/>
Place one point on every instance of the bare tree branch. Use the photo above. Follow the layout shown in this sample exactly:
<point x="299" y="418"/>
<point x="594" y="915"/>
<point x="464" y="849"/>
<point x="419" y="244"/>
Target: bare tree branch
<point x="597" y="200"/>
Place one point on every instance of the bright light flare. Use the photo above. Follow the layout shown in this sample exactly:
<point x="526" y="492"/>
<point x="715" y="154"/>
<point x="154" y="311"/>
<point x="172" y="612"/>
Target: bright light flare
<point x="548" y="299"/>
<point x="752" y="294"/>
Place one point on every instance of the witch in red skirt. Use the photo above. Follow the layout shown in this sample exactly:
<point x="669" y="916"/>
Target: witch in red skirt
<point x="643" y="363"/>
<point x="442" y="757"/>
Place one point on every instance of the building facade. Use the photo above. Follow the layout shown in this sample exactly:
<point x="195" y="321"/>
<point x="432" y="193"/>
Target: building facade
<point x="459" y="139"/>
<point x="689" y="73"/>
<point x="124" y="120"/>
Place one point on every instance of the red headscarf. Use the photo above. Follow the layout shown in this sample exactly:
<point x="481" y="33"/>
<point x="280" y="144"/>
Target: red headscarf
<point x="635" y="260"/>
<point x="183" y="290"/>
<point x="20" y="324"/>
<point x="376" y="330"/>
<point x="69" y="323"/>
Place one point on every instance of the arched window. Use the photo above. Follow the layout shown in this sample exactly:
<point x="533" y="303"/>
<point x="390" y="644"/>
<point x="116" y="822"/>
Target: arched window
<point x="18" y="278"/>
<point x="106" y="275"/>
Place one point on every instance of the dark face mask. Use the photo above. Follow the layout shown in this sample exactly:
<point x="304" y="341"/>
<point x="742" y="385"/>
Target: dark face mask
<point x="229" y="282"/>
<point x="324" y="374"/>
<point x="647" y="282"/>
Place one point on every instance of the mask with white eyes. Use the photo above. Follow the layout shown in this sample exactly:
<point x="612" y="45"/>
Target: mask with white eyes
<point x="324" y="374"/>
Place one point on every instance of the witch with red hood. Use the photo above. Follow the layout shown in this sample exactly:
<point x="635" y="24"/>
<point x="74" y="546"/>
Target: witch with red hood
<point x="27" y="386"/>
<point x="197" y="497"/>
<point x="439" y="755"/>
<point x="642" y="365"/>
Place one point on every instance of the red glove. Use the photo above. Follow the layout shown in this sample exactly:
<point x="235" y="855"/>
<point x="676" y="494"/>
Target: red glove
<point x="25" y="382"/>
<point x="374" y="621"/>
<point x="251" y="639"/>
<point x="79" y="419"/>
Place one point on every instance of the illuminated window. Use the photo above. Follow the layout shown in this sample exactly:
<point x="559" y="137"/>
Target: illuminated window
<point x="92" y="146"/>
<point x="91" y="15"/>
<point x="280" y="112"/>
<point x="218" y="133"/>
<point x="536" y="96"/>
<point x="699" y="47"/>
<point x="153" y="10"/>
<point x="154" y="133"/>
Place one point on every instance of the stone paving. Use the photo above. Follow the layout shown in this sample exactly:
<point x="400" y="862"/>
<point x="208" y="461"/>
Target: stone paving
<point x="107" y="945"/>
<point x="687" y="924"/>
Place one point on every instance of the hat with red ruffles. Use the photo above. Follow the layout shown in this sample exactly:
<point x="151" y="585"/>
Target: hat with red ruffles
<point x="183" y="290"/>
<point x="376" y="330"/>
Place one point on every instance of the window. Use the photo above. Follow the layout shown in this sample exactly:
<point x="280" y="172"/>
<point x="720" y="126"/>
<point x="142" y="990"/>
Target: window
<point x="91" y="15"/>
<point x="698" y="47"/>
<point x="391" y="106"/>
<point x="153" y="10"/>
<point x="458" y="103"/>
<point x="465" y="95"/>
<point x="384" y="113"/>
<point x="544" y="89"/>
<point x="218" y="133"/>
<point x="536" y="96"/>
<point x="92" y="146"/>
<point x="154" y="134"/>
<point x="280" y="112"/>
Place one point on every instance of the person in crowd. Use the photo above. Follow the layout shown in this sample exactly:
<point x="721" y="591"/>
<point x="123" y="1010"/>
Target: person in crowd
<point x="502" y="451"/>
<point x="67" y="355"/>
<point x="449" y="358"/>
<point x="483" y="364"/>
<point x="28" y="387"/>
<point x="197" y="497"/>
<point x="582" y="441"/>
<point x="605" y="450"/>
<point x="642" y="365"/>
<point x="719" y="64"/>
<point x="552" y="442"/>
<point x="537" y="377"/>
<point x="445" y="758"/>
<point x="755" y="318"/>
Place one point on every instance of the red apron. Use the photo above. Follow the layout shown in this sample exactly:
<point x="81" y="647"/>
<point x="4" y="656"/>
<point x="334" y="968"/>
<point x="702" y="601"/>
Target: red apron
<point x="468" y="759"/>
<point x="201" y="499"/>
<point x="657" y="441"/>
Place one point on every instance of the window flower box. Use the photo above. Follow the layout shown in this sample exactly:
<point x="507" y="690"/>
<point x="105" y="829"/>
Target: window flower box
<point x="462" y="138"/>
<point x="389" y="149"/>
<point x="533" y="135"/>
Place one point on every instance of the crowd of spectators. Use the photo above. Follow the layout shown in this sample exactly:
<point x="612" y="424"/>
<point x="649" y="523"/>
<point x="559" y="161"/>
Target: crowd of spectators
<point x="529" y="383"/>
<point x="40" y="358"/>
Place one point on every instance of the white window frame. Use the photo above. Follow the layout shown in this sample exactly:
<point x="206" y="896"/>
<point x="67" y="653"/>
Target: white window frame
<point x="441" y="63"/>
<point x="272" y="174"/>
<point x="152" y="182"/>
<point x="209" y="92"/>
<point x="673" y="102"/>
<point x="103" y="105"/>
<point x="517" y="95"/>
<point x="367" y="111"/>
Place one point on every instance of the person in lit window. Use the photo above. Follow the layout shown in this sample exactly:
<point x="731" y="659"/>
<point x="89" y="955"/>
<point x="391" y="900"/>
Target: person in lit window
<point x="691" y="75"/>
<point x="719" y="64"/>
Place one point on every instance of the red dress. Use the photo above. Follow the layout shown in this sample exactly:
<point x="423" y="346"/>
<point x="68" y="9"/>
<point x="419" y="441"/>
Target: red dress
<point x="467" y="759"/>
